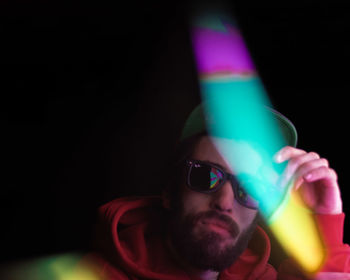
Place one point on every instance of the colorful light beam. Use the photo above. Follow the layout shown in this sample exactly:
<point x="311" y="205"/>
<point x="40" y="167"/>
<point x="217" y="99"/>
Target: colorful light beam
<point x="67" y="266"/>
<point x="235" y="103"/>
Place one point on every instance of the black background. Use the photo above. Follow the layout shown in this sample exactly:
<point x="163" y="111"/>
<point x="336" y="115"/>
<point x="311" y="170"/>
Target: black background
<point x="94" y="94"/>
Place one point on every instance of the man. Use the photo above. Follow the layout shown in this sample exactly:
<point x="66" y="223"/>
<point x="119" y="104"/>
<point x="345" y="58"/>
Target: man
<point x="202" y="229"/>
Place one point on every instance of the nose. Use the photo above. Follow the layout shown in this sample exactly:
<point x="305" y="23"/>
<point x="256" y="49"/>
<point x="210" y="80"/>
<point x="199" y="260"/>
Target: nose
<point x="223" y="199"/>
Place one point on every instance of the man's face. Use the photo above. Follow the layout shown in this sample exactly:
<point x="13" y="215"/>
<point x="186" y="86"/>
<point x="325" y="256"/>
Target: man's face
<point x="211" y="230"/>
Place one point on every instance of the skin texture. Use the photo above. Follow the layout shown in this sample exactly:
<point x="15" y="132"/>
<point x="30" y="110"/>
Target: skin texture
<point x="311" y="176"/>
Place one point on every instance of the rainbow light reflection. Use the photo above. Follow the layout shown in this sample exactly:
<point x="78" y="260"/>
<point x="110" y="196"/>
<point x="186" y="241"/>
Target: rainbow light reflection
<point x="234" y="101"/>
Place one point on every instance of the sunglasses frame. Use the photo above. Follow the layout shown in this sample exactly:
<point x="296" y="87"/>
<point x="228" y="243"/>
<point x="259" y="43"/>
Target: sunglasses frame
<point x="226" y="176"/>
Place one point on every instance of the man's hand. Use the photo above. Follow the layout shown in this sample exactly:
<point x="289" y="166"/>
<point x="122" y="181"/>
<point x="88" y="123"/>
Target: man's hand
<point x="313" y="178"/>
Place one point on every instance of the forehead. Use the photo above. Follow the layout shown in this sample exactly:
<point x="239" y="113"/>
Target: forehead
<point x="205" y="150"/>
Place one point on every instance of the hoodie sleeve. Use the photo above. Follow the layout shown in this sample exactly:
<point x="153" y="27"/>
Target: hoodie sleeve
<point x="338" y="253"/>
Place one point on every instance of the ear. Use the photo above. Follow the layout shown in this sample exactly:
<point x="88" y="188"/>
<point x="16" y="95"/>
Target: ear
<point x="166" y="199"/>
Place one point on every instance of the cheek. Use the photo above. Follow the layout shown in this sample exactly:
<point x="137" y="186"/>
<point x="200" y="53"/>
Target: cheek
<point x="246" y="217"/>
<point x="194" y="202"/>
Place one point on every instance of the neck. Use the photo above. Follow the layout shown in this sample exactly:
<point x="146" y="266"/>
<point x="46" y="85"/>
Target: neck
<point x="193" y="271"/>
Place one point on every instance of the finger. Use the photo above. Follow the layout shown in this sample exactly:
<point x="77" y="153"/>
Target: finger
<point x="306" y="168"/>
<point x="286" y="153"/>
<point x="321" y="173"/>
<point x="297" y="161"/>
<point x="294" y="163"/>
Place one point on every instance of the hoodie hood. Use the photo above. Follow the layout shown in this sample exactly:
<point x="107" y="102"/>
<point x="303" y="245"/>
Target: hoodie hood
<point x="131" y="237"/>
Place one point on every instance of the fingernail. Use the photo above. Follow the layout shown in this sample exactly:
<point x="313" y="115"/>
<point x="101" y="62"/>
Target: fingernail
<point x="308" y="177"/>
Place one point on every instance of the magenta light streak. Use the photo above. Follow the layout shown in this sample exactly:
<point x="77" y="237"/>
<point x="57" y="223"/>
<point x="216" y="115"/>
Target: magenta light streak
<point x="222" y="51"/>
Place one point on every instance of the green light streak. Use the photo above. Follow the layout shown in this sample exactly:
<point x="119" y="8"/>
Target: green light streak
<point x="238" y="109"/>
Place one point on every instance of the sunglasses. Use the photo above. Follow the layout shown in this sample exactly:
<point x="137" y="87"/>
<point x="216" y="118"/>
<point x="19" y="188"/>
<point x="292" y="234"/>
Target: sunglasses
<point x="205" y="177"/>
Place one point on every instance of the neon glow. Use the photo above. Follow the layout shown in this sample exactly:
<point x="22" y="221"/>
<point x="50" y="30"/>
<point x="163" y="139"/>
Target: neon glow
<point x="235" y="101"/>
<point x="59" y="267"/>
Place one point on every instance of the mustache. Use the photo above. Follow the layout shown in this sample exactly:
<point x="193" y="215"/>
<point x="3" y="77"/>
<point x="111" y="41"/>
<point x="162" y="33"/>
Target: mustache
<point x="231" y="225"/>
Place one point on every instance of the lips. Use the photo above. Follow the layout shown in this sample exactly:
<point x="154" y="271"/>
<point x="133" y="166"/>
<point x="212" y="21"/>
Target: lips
<point x="215" y="221"/>
<point x="219" y="225"/>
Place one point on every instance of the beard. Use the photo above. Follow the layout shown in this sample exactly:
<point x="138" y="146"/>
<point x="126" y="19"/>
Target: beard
<point x="208" y="250"/>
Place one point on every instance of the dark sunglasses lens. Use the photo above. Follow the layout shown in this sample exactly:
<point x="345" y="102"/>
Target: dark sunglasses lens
<point x="204" y="177"/>
<point x="245" y="199"/>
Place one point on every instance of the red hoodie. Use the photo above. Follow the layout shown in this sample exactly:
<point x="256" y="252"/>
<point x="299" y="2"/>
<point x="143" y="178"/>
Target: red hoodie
<point x="132" y="245"/>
